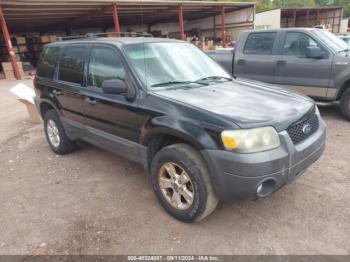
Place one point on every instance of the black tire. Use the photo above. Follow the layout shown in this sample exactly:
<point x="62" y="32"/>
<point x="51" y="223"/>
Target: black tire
<point x="345" y="104"/>
<point x="65" y="145"/>
<point x="204" y="199"/>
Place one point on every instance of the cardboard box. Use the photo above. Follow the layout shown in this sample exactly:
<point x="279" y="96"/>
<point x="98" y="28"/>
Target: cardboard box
<point x="53" y="38"/>
<point x="22" y="48"/>
<point x="42" y="39"/>
<point x="7" y="66"/>
<point x="11" y="74"/>
<point x="8" y="70"/>
<point x="34" y="115"/>
<point x="26" y="95"/>
<point x="18" y="40"/>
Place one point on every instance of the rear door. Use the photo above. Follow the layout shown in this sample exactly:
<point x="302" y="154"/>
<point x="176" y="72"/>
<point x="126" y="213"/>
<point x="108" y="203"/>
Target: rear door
<point x="68" y="82"/>
<point x="255" y="59"/>
<point x="297" y="72"/>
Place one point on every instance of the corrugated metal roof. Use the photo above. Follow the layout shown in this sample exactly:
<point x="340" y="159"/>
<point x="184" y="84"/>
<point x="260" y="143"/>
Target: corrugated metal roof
<point x="26" y="15"/>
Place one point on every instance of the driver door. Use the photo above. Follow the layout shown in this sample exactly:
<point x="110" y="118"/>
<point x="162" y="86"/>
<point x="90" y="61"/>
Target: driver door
<point x="293" y="70"/>
<point x="107" y="116"/>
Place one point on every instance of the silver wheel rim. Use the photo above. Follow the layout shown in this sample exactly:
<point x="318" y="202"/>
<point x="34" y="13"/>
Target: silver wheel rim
<point x="176" y="186"/>
<point x="52" y="133"/>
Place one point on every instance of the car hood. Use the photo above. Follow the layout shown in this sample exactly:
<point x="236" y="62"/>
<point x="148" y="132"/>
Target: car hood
<point x="247" y="104"/>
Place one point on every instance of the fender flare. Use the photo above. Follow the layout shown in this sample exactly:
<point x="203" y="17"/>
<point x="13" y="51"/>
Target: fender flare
<point x="183" y="129"/>
<point x="51" y="103"/>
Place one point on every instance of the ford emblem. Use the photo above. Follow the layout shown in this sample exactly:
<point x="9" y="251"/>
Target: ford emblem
<point x="307" y="129"/>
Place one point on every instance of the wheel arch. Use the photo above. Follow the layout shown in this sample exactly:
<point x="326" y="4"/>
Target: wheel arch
<point x="165" y="131"/>
<point x="345" y="86"/>
<point x="46" y="105"/>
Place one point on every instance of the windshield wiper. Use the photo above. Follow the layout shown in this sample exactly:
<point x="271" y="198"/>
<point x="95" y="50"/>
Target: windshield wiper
<point x="344" y="50"/>
<point x="214" y="78"/>
<point x="171" y="83"/>
<point x="199" y="81"/>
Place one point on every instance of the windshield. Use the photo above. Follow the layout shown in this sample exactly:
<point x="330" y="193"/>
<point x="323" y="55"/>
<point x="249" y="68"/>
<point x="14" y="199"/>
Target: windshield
<point x="334" y="42"/>
<point x="167" y="64"/>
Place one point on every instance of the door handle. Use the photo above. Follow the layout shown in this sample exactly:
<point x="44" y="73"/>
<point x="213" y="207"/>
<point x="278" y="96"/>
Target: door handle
<point x="57" y="92"/>
<point x="241" y="62"/>
<point x="281" y="62"/>
<point x="90" y="100"/>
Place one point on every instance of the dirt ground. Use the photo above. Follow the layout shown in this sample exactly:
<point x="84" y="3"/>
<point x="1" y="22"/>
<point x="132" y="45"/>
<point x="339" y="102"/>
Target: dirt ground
<point x="93" y="202"/>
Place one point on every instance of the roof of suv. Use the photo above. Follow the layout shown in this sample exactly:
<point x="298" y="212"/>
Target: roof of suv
<point x="285" y="29"/>
<point x="117" y="40"/>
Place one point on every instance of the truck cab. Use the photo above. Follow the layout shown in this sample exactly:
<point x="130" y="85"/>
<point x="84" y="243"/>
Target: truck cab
<point x="311" y="61"/>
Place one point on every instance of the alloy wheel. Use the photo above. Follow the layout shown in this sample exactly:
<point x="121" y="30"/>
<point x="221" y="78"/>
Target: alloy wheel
<point x="176" y="186"/>
<point x="53" y="133"/>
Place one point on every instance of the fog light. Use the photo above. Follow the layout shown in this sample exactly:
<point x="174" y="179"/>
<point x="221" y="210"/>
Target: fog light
<point x="266" y="187"/>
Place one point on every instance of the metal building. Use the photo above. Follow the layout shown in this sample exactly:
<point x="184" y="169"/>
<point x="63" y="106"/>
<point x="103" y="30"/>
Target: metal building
<point x="329" y="17"/>
<point x="26" y="17"/>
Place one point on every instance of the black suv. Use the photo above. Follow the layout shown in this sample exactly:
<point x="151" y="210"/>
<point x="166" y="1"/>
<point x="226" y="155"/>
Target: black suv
<point x="201" y="135"/>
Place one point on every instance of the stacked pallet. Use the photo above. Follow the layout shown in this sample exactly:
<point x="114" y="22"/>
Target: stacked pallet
<point x="8" y="70"/>
<point x="19" y="43"/>
<point x="203" y="43"/>
<point x="37" y="43"/>
<point x="19" y="47"/>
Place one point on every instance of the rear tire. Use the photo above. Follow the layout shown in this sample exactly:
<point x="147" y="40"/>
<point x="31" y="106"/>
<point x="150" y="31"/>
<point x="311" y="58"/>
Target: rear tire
<point x="55" y="134"/>
<point x="187" y="194"/>
<point x="345" y="104"/>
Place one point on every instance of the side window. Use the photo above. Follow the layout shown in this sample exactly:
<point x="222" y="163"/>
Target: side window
<point x="104" y="65"/>
<point x="71" y="65"/>
<point x="46" y="67"/>
<point x="295" y="44"/>
<point x="260" y="43"/>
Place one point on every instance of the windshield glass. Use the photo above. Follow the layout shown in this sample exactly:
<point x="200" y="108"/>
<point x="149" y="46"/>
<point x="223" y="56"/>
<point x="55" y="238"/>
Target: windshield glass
<point x="167" y="64"/>
<point x="334" y="42"/>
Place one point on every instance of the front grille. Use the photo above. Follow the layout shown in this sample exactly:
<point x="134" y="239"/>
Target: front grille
<point x="296" y="132"/>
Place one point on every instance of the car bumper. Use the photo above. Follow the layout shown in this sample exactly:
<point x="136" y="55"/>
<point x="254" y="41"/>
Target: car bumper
<point x="237" y="176"/>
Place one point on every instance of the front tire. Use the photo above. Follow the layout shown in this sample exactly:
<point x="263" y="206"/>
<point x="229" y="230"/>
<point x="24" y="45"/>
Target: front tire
<point x="55" y="134"/>
<point x="182" y="184"/>
<point x="345" y="104"/>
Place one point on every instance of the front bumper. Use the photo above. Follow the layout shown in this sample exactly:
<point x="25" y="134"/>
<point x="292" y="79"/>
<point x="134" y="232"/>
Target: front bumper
<point x="237" y="176"/>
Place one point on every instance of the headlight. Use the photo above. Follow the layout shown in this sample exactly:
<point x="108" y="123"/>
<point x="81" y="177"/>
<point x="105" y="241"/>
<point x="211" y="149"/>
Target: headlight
<point x="250" y="140"/>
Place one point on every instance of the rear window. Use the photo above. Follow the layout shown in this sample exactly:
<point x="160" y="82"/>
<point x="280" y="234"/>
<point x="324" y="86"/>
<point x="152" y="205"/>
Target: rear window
<point x="46" y="67"/>
<point x="260" y="43"/>
<point x="71" y="64"/>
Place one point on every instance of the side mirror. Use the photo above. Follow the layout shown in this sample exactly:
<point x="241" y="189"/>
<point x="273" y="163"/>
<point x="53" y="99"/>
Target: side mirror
<point x="114" y="86"/>
<point x="315" y="52"/>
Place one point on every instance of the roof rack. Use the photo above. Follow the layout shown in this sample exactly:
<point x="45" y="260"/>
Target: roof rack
<point x="96" y="35"/>
<point x="120" y="34"/>
<point x="63" y="38"/>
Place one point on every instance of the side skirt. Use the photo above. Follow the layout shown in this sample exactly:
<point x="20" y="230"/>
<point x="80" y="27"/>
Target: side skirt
<point x="117" y="145"/>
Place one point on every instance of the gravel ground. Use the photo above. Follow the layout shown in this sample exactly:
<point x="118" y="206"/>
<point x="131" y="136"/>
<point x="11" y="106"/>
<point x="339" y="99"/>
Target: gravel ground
<point x="93" y="202"/>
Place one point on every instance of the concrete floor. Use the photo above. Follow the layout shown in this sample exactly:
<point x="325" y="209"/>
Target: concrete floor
<point x="93" y="202"/>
